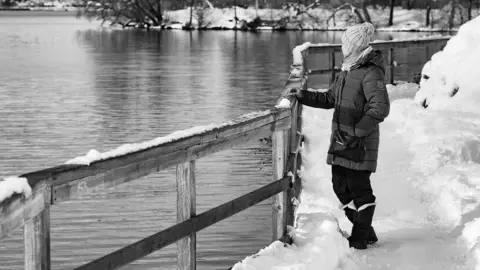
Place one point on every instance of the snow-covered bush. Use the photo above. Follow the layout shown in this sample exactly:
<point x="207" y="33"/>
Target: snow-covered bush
<point x="450" y="76"/>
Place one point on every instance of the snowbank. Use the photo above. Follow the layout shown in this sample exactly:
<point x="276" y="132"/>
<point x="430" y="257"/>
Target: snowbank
<point x="14" y="185"/>
<point x="427" y="188"/>
<point x="450" y="71"/>
<point x="427" y="184"/>
<point x="404" y="20"/>
<point x="318" y="241"/>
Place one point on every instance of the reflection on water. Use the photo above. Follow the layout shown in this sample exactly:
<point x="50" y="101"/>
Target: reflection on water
<point x="68" y="87"/>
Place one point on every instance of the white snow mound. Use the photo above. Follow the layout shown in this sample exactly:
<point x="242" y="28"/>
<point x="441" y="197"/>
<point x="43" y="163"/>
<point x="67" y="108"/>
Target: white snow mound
<point x="14" y="185"/>
<point x="449" y="77"/>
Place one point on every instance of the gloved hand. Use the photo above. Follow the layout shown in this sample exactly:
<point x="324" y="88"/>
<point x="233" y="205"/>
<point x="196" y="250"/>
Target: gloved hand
<point x="298" y="93"/>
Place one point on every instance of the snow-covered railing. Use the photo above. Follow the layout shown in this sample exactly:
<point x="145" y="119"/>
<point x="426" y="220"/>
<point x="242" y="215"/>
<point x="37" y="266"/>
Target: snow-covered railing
<point x="26" y="199"/>
<point x="331" y="49"/>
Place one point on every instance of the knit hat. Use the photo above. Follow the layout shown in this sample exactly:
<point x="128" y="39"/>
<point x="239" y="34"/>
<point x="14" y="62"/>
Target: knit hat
<point x="357" y="38"/>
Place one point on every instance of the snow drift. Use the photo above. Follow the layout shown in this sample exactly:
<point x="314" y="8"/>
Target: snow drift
<point x="451" y="72"/>
<point x="427" y="184"/>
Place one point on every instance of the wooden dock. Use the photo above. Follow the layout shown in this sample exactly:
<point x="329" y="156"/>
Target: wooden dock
<point x="55" y="185"/>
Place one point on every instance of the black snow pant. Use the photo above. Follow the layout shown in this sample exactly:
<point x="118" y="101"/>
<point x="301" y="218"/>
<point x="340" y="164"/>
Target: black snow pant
<point x="351" y="185"/>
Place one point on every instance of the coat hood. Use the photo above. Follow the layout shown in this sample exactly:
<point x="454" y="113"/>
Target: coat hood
<point x="376" y="58"/>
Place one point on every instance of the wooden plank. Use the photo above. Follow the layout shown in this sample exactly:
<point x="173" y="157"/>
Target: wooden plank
<point x="17" y="209"/>
<point x="332" y="67"/>
<point x="37" y="239"/>
<point x="166" y="237"/>
<point x="186" y="208"/>
<point x="279" y="201"/>
<point x="324" y="71"/>
<point x="383" y="45"/>
<point x="116" y="176"/>
<point x="427" y="53"/>
<point x="293" y="164"/>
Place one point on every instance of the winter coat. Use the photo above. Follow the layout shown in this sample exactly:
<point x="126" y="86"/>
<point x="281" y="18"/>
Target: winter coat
<point x="361" y="102"/>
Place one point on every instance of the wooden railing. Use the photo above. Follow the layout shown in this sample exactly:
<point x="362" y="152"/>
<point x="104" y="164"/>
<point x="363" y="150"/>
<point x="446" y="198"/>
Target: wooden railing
<point x="57" y="184"/>
<point x="388" y="46"/>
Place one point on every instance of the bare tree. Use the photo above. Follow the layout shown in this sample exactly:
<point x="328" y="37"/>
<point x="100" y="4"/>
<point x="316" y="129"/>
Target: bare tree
<point x="365" y="5"/>
<point x="353" y="9"/>
<point x="470" y="7"/>
<point x="300" y="9"/>
<point x="192" y="3"/>
<point x="390" y="18"/>
<point x="142" y="13"/>
<point x="451" y="18"/>
<point x="429" y="10"/>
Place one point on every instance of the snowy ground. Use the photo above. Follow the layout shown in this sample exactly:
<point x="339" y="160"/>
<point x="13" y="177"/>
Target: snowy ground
<point x="427" y="183"/>
<point x="404" y="20"/>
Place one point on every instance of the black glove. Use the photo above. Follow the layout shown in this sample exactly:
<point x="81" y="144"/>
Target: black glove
<point x="298" y="93"/>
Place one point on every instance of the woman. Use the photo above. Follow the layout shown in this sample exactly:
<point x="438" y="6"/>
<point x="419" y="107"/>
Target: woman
<point x="361" y="102"/>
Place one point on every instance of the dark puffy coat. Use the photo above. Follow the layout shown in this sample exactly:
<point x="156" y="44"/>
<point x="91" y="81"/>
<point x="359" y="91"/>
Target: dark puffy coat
<point x="361" y="102"/>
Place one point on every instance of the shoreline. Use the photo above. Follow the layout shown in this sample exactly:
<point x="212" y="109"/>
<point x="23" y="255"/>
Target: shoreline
<point x="224" y="26"/>
<point x="169" y="28"/>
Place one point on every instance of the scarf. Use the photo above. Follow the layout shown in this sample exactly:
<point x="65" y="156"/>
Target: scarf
<point x="352" y="60"/>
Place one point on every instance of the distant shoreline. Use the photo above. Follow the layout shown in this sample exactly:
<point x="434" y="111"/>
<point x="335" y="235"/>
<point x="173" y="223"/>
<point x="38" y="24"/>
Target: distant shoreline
<point x="179" y="18"/>
<point x="34" y="12"/>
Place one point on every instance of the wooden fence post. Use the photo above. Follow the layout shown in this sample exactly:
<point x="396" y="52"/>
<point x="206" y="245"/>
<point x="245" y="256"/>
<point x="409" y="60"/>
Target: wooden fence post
<point x="36" y="234"/>
<point x="186" y="208"/>
<point x="279" y="151"/>
<point x="295" y="131"/>
<point x="391" y="65"/>
<point x="332" y="66"/>
<point x="427" y="53"/>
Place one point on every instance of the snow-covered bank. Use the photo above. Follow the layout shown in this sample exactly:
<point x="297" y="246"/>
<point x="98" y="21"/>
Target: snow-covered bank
<point x="427" y="184"/>
<point x="276" y="19"/>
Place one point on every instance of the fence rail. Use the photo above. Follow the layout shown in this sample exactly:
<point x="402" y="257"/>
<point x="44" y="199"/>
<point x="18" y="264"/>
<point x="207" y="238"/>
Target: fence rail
<point x="331" y="49"/>
<point x="61" y="183"/>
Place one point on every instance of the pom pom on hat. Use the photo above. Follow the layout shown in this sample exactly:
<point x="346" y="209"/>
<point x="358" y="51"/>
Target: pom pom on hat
<point x="357" y="38"/>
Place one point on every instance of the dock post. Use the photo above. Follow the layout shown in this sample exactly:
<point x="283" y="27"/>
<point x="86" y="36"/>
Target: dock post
<point x="36" y="236"/>
<point x="427" y="53"/>
<point x="279" y="153"/>
<point x="332" y="66"/>
<point x="293" y="194"/>
<point x="186" y="208"/>
<point x="391" y="65"/>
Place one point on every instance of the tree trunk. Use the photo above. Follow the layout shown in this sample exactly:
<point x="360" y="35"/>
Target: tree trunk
<point x="256" y="7"/>
<point x="409" y="4"/>
<point x="470" y="7"/>
<point x="191" y="13"/>
<point x="429" y="10"/>
<point x="209" y="4"/>
<point x="451" y="19"/>
<point x="365" y="12"/>
<point x="359" y="15"/>
<point x="235" y="10"/>
<point x="392" y="5"/>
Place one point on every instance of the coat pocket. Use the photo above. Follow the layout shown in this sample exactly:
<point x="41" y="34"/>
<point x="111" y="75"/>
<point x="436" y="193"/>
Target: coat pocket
<point x="347" y="147"/>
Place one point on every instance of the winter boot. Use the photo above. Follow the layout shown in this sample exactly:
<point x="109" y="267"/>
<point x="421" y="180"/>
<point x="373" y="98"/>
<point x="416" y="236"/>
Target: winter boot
<point x="372" y="236"/>
<point x="351" y="214"/>
<point x="362" y="228"/>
